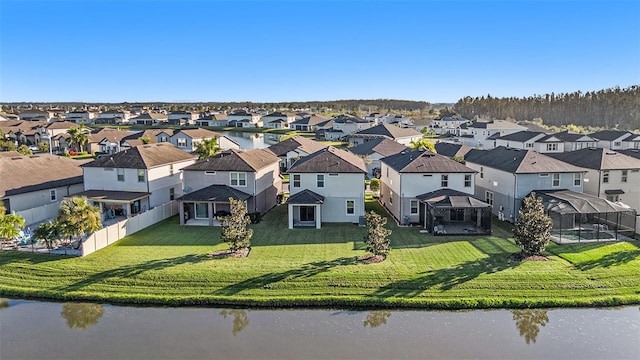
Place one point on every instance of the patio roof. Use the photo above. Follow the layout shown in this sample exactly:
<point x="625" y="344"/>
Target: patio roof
<point x="568" y="202"/>
<point x="113" y="196"/>
<point x="305" y="197"/>
<point x="614" y="192"/>
<point x="449" y="198"/>
<point x="216" y="193"/>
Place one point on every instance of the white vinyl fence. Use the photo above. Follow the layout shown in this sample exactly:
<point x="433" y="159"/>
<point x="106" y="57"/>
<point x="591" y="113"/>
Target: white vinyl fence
<point x="39" y="214"/>
<point x="112" y="233"/>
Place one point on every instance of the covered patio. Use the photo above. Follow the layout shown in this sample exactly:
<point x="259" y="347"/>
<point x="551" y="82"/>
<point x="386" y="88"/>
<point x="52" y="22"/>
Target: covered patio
<point x="579" y="217"/>
<point x="305" y="210"/>
<point x="117" y="205"/>
<point x="201" y="207"/>
<point x="452" y="212"/>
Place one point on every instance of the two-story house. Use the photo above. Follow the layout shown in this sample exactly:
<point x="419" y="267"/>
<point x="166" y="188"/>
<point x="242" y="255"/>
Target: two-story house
<point x="374" y="150"/>
<point x="215" y="119"/>
<point x="294" y="148"/>
<point x="326" y="186"/>
<point x="483" y="133"/>
<point x="182" y="117"/>
<point x="611" y="139"/>
<point x="37" y="115"/>
<point x="80" y="117"/>
<point x="252" y="176"/>
<point x="113" y="117"/>
<point x="278" y="120"/>
<point x="135" y="180"/>
<point x="407" y="175"/>
<point x="242" y="118"/>
<point x="403" y="136"/>
<point x="506" y="175"/>
<point x="448" y="125"/>
<point x="309" y="123"/>
<point x="610" y="175"/>
<point x="149" y="118"/>
<point x="520" y="140"/>
<point x="188" y="139"/>
<point x="344" y="125"/>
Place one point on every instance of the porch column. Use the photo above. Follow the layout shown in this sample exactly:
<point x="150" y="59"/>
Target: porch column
<point x="478" y="217"/>
<point x="290" y="215"/>
<point x="318" y="216"/>
<point x="210" y="213"/>
<point x="424" y="223"/>
<point x="181" y="209"/>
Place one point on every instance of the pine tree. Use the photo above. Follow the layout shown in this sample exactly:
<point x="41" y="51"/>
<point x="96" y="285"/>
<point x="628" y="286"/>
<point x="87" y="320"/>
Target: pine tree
<point x="234" y="227"/>
<point x="377" y="238"/>
<point x="533" y="226"/>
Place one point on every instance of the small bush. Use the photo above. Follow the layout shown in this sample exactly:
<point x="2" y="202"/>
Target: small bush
<point x="255" y="217"/>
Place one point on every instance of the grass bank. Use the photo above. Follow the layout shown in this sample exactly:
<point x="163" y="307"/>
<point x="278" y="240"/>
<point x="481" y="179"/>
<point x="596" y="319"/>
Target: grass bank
<point x="168" y="265"/>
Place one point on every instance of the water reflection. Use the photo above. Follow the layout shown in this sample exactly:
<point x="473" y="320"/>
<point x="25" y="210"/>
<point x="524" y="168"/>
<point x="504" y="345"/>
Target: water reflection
<point x="81" y="315"/>
<point x="376" y="318"/>
<point x="240" y="319"/>
<point x="4" y="303"/>
<point x="529" y="321"/>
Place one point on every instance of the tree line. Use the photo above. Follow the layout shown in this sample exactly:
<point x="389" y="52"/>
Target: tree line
<point x="609" y="108"/>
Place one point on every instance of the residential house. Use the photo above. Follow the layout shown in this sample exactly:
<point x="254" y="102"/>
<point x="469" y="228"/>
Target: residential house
<point x="451" y="150"/>
<point x="420" y="124"/>
<point x="113" y="117"/>
<point x="23" y="132"/>
<point x="106" y="140"/>
<point x="326" y="186"/>
<point x="294" y="148"/>
<point x="135" y="180"/>
<point x="408" y="174"/>
<point x="150" y="136"/>
<point x="563" y="141"/>
<point x="448" y="124"/>
<point x="37" y="180"/>
<point x="525" y="140"/>
<point x="631" y="142"/>
<point x="506" y="175"/>
<point x="149" y="118"/>
<point x="344" y="125"/>
<point x="188" y="139"/>
<point x="309" y="123"/>
<point x="216" y="119"/>
<point x="374" y="150"/>
<point x="403" y="136"/>
<point x="252" y="176"/>
<point x="484" y="132"/>
<point x="278" y="120"/>
<point x="242" y="118"/>
<point x="613" y="139"/>
<point x="182" y="117"/>
<point x="610" y="175"/>
<point x="80" y="117"/>
<point x="37" y="115"/>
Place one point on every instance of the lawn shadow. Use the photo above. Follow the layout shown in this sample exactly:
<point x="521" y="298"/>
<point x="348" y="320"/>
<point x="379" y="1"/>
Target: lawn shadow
<point x="447" y="278"/>
<point x="266" y="280"/>
<point x="133" y="270"/>
<point x="10" y="256"/>
<point x="612" y="259"/>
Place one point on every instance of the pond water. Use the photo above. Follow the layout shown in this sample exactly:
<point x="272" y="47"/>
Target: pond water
<point x="248" y="141"/>
<point x="41" y="330"/>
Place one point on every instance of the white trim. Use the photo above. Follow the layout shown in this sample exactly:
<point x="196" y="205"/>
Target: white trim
<point x="347" y="207"/>
<point x="411" y="207"/>
<point x="53" y="195"/>
<point x="238" y="179"/>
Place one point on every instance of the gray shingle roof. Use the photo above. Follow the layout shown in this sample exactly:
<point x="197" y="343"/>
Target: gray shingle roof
<point x="609" y="135"/>
<point x="631" y="152"/>
<point x="424" y="161"/>
<point x="310" y="120"/>
<point x="449" y="198"/>
<point x="220" y="193"/>
<point x="391" y="131"/>
<point x="20" y="174"/>
<point x="382" y="146"/>
<point x="348" y="118"/>
<point x="235" y="160"/>
<point x="296" y="143"/>
<point x="598" y="158"/>
<point x="517" y="161"/>
<point x="569" y="137"/>
<point x="329" y="160"/>
<point x="521" y="136"/>
<point x="450" y="150"/>
<point x="143" y="157"/>
<point x="305" y="197"/>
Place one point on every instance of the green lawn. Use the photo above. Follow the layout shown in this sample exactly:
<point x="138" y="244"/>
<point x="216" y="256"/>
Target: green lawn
<point x="168" y="264"/>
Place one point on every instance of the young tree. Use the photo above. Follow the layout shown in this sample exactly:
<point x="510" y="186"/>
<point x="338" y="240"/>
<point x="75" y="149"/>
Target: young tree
<point x="234" y="227"/>
<point x="43" y="147"/>
<point x="374" y="185"/>
<point x="77" y="217"/>
<point x="145" y="139"/>
<point x="49" y="232"/>
<point x="422" y="144"/>
<point x="24" y="150"/>
<point x="533" y="226"/>
<point x="78" y="135"/>
<point x="206" y="148"/>
<point x="10" y="225"/>
<point x="377" y="238"/>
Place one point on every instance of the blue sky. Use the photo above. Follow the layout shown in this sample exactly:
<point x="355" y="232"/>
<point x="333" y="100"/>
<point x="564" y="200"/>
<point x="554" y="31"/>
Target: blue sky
<point x="267" y="51"/>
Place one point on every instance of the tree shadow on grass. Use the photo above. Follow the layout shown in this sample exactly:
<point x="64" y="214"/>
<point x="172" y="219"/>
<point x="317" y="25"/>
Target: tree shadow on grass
<point x="133" y="270"/>
<point x="447" y="278"/>
<point x="8" y="257"/>
<point x="613" y="259"/>
<point x="267" y="280"/>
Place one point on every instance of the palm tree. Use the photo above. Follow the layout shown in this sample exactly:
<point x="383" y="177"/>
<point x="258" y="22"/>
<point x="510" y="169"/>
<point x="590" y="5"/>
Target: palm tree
<point x="206" y="148"/>
<point x="10" y="225"/>
<point x="49" y="232"/>
<point x="77" y="217"/>
<point x="78" y="135"/>
<point x="422" y="144"/>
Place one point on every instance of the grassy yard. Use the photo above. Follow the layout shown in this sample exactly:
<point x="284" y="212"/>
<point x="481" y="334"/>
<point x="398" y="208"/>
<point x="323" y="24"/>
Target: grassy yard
<point x="168" y="264"/>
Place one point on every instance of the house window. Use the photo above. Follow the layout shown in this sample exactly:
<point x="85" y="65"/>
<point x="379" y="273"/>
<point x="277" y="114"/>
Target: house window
<point x="172" y="193"/>
<point x="488" y="197"/>
<point x="351" y="207"/>
<point x="320" y="180"/>
<point x="529" y="145"/>
<point x="390" y="198"/>
<point x="605" y="176"/>
<point x="481" y="172"/>
<point x="120" y="172"/>
<point x="625" y="175"/>
<point x="53" y="195"/>
<point x="467" y="180"/>
<point x="209" y="172"/>
<point x="202" y="211"/>
<point x="413" y="207"/>
<point x="552" y="147"/>
<point x="182" y="142"/>
<point x="296" y="180"/>
<point x="238" y="179"/>
<point x="556" y="180"/>
<point x="617" y="143"/>
<point x="612" y="198"/>
<point x="140" y="175"/>
<point x="171" y="170"/>
<point x="577" y="179"/>
<point x="387" y="171"/>
<point x="444" y="181"/>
